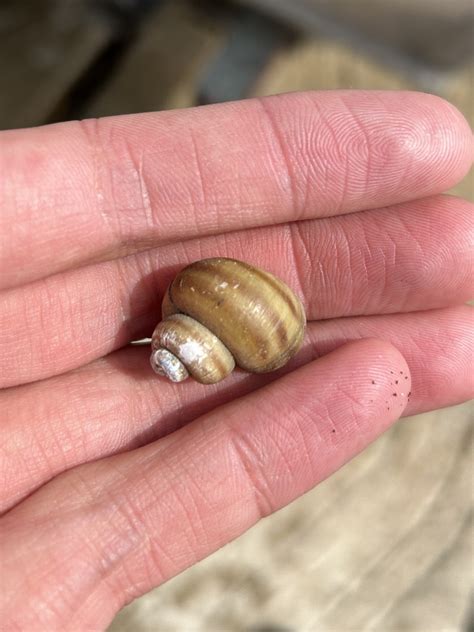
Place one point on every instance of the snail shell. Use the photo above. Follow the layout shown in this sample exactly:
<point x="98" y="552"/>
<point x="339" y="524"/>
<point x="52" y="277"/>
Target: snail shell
<point x="221" y="312"/>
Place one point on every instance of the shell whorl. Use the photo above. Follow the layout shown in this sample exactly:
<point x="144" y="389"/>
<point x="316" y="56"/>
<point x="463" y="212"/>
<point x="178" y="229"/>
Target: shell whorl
<point x="182" y="346"/>
<point x="257" y="318"/>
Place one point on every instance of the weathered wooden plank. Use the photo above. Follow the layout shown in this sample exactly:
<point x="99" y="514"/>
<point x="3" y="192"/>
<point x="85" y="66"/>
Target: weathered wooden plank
<point x="436" y="32"/>
<point x="44" y="47"/>
<point x="162" y="69"/>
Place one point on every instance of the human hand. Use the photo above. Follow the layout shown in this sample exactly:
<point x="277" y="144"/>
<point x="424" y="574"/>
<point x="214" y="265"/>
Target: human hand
<point x="113" y="479"/>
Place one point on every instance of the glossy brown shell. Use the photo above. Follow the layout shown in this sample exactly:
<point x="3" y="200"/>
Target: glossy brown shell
<point x="256" y="316"/>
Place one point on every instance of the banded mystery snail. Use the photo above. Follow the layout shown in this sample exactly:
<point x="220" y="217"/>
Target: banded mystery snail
<point x="221" y="312"/>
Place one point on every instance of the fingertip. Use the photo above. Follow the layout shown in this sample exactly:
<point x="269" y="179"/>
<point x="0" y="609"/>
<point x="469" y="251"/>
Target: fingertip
<point x="429" y="138"/>
<point x="380" y="375"/>
<point x="362" y="386"/>
<point x="377" y="351"/>
<point x="450" y="135"/>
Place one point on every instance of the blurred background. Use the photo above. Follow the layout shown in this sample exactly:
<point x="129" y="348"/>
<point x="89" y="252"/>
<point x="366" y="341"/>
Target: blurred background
<point x="385" y="544"/>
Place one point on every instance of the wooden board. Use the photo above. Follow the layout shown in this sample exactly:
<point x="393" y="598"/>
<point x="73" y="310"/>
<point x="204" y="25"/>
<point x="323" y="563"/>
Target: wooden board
<point x="432" y="33"/>
<point x="44" y="48"/>
<point x="162" y="70"/>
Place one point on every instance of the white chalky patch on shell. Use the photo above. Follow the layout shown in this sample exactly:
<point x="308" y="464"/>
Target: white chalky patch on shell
<point x="165" y="363"/>
<point x="223" y="285"/>
<point x="192" y="352"/>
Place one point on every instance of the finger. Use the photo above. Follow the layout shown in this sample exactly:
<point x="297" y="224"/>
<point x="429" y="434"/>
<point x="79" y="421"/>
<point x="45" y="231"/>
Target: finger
<point x="130" y="522"/>
<point x="413" y="256"/>
<point x="93" y="190"/>
<point x="117" y="403"/>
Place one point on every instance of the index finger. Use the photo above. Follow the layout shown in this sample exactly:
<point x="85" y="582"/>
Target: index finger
<point x="86" y="191"/>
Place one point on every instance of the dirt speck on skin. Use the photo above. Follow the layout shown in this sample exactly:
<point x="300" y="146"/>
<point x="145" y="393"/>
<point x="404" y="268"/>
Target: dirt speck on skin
<point x="333" y="430"/>
<point x="394" y="394"/>
<point x="373" y="381"/>
<point x="396" y="381"/>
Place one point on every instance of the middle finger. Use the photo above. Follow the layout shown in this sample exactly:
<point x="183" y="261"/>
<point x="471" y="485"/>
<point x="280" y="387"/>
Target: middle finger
<point x="408" y="257"/>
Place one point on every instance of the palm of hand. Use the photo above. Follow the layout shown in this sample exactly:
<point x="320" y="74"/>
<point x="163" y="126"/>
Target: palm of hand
<point x="112" y="479"/>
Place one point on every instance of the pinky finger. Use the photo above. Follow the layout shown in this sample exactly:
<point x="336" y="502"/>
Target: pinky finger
<point x="109" y="531"/>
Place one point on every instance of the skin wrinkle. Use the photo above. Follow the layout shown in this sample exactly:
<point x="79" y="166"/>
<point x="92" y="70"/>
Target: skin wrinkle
<point x="151" y="261"/>
<point x="176" y="500"/>
<point x="90" y="129"/>
<point x="347" y="268"/>
<point x="281" y="446"/>
<point x="186" y="518"/>
<point x="366" y="260"/>
<point x="307" y="143"/>
<point x="42" y="459"/>
<point x="323" y="165"/>
<point x="155" y="410"/>
<point x="106" y="582"/>
<point x="114" y="560"/>
<point x="123" y="299"/>
<point x="304" y="443"/>
<point x="388" y="270"/>
<point x="158" y="553"/>
<point x="126" y="212"/>
<point x="202" y="199"/>
<point x="45" y="572"/>
<point x="42" y="309"/>
<point x="249" y="467"/>
<point x="141" y="540"/>
<point x="415" y="246"/>
<point x="290" y="186"/>
<point x="119" y="214"/>
<point x="321" y="415"/>
<point x="197" y="523"/>
<point x="273" y="478"/>
<point x="368" y="146"/>
<point x="354" y="405"/>
<point x="144" y="189"/>
<point x="322" y="279"/>
<point x="60" y="453"/>
<point x="300" y="262"/>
